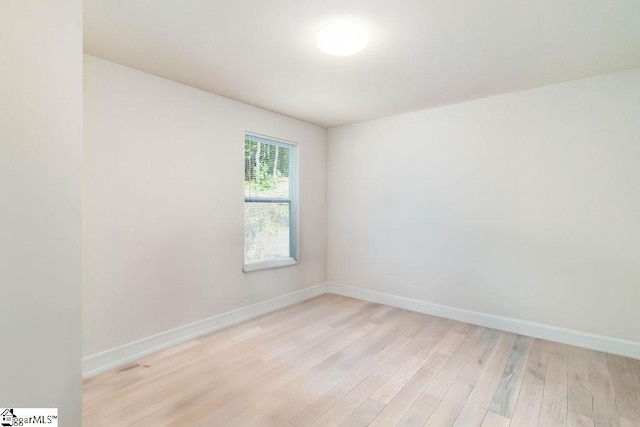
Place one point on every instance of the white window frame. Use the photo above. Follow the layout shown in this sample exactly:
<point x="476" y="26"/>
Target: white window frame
<point x="292" y="200"/>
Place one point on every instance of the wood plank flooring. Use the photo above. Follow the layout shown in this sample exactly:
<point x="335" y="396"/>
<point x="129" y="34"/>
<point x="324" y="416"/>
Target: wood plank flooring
<point x="337" y="361"/>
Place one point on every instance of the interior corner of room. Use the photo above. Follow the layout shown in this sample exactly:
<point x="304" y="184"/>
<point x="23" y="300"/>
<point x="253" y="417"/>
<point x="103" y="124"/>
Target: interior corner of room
<point x="503" y="198"/>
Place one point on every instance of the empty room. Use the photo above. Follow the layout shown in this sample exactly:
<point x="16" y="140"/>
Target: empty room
<point x="305" y="213"/>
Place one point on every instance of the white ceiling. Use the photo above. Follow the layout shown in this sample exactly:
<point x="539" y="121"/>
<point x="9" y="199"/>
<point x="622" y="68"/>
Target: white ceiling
<point x="422" y="53"/>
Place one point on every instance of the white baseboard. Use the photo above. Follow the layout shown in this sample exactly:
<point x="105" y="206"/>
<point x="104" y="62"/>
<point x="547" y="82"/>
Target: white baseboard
<point x="116" y="357"/>
<point x="523" y="327"/>
<point x="127" y="353"/>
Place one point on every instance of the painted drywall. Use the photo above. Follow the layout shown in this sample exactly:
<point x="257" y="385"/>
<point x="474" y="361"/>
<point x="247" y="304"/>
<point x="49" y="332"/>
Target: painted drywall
<point x="164" y="205"/>
<point x="40" y="205"/>
<point x="524" y="205"/>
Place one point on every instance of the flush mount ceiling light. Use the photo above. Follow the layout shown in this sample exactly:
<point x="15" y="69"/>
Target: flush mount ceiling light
<point x="342" y="39"/>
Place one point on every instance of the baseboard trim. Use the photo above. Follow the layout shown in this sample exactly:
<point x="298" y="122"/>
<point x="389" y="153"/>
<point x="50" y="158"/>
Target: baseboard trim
<point x="533" y="329"/>
<point x="127" y="353"/>
<point x="107" y="360"/>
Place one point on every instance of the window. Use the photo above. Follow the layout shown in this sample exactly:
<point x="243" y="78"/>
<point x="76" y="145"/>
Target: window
<point x="269" y="202"/>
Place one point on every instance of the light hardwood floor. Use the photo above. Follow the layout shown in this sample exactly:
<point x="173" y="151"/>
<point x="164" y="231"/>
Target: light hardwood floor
<point x="337" y="361"/>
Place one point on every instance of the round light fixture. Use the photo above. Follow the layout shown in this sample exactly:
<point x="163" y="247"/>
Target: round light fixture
<point x="342" y="39"/>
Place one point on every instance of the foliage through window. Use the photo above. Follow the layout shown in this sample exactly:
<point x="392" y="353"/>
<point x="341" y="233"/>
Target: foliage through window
<point x="269" y="202"/>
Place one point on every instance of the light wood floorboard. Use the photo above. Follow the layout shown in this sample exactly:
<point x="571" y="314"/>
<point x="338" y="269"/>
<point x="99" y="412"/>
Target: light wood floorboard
<point x="337" y="361"/>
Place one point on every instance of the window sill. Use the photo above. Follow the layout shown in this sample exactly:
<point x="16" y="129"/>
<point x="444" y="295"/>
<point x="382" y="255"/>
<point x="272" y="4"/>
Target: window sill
<point x="272" y="263"/>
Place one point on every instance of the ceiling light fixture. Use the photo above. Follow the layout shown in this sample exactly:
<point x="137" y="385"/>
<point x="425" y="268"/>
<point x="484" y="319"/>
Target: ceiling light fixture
<point x="342" y="39"/>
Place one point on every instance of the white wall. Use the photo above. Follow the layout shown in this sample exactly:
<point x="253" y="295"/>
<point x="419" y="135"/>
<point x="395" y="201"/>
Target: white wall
<point x="164" y="205"/>
<point x="40" y="205"/>
<point x="525" y="205"/>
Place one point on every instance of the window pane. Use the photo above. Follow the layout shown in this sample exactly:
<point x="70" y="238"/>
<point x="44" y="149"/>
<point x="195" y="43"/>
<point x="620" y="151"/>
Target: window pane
<point x="266" y="231"/>
<point x="266" y="170"/>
